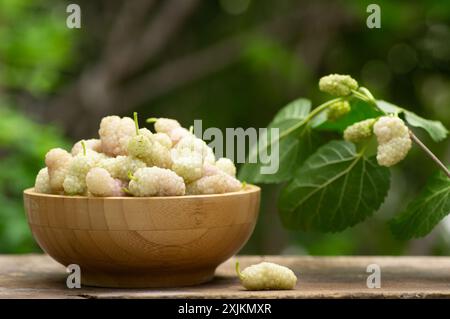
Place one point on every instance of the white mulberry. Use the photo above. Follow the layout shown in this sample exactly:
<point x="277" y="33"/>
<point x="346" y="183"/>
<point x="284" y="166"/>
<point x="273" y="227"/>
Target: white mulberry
<point x="194" y="144"/>
<point x="214" y="184"/>
<point x="267" y="276"/>
<point x="226" y="165"/>
<point x="393" y="139"/>
<point x="359" y="131"/>
<point x="57" y="161"/>
<point x="42" y="183"/>
<point x="171" y="127"/>
<point x="150" y="151"/>
<point x="155" y="181"/>
<point x="165" y="125"/>
<point x="178" y="133"/>
<point x="187" y="164"/>
<point x="93" y="144"/>
<point x="148" y="148"/>
<point x="163" y="139"/>
<point x="209" y="170"/>
<point x="189" y="157"/>
<point x="337" y="84"/>
<point x="338" y="110"/>
<point x="100" y="183"/>
<point x="121" y="166"/>
<point x="115" y="133"/>
<point x="75" y="181"/>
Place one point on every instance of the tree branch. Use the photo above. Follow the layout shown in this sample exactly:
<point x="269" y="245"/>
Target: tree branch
<point x="130" y="58"/>
<point x="214" y="58"/>
<point x="128" y="20"/>
<point x="429" y="153"/>
<point x="96" y="93"/>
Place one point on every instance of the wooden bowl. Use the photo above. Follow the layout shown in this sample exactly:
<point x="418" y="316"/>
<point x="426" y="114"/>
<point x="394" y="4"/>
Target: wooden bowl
<point x="146" y="241"/>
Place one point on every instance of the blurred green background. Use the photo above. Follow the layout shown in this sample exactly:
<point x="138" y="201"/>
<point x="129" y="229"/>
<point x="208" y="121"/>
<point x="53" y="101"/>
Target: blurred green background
<point x="231" y="63"/>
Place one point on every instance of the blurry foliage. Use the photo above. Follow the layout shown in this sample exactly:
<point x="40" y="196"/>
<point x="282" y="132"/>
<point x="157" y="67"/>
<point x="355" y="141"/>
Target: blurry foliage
<point x="23" y="145"/>
<point x="34" y="49"/>
<point x="35" y="45"/>
<point x="406" y="61"/>
<point x="265" y="56"/>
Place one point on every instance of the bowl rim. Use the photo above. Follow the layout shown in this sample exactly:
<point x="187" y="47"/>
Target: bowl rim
<point x="248" y="189"/>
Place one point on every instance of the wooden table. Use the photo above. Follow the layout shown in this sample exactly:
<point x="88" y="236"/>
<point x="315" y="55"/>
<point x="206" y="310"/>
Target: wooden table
<point x="38" y="276"/>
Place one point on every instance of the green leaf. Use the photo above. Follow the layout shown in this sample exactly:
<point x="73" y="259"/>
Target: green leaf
<point x="289" y="149"/>
<point x="293" y="151"/>
<point x="293" y="144"/>
<point x="295" y="111"/>
<point x="435" y="129"/>
<point x="426" y="211"/>
<point x="388" y="108"/>
<point x="334" y="189"/>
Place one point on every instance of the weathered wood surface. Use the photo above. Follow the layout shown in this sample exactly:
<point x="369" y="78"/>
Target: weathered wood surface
<point x="38" y="276"/>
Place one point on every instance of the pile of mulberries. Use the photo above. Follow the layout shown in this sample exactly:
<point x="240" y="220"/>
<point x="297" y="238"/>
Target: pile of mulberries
<point x="130" y="161"/>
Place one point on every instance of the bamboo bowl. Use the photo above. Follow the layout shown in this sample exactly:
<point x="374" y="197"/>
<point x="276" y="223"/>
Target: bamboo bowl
<point x="143" y="242"/>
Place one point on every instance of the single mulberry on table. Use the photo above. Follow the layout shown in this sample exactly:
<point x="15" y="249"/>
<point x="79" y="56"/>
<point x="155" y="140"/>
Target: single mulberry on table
<point x="267" y="276"/>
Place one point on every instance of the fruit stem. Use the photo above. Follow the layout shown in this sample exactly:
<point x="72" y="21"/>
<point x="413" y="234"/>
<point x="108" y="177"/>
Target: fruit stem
<point x="361" y="96"/>
<point x="429" y="153"/>
<point x="130" y="176"/>
<point x="312" y="114"/>
<point x="367" y="93"/>
<point x="83" y="144"/>
<point x="136" y="123"/>
<point x="238" y="271"/>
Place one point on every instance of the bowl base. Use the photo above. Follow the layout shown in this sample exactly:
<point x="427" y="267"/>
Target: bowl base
<point x="146" y="279"/>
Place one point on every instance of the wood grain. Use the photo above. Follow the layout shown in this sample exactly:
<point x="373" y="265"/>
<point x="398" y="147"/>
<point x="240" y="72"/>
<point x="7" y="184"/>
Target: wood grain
<point x="38" y="276"/>
<point x="143" y="242"/>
